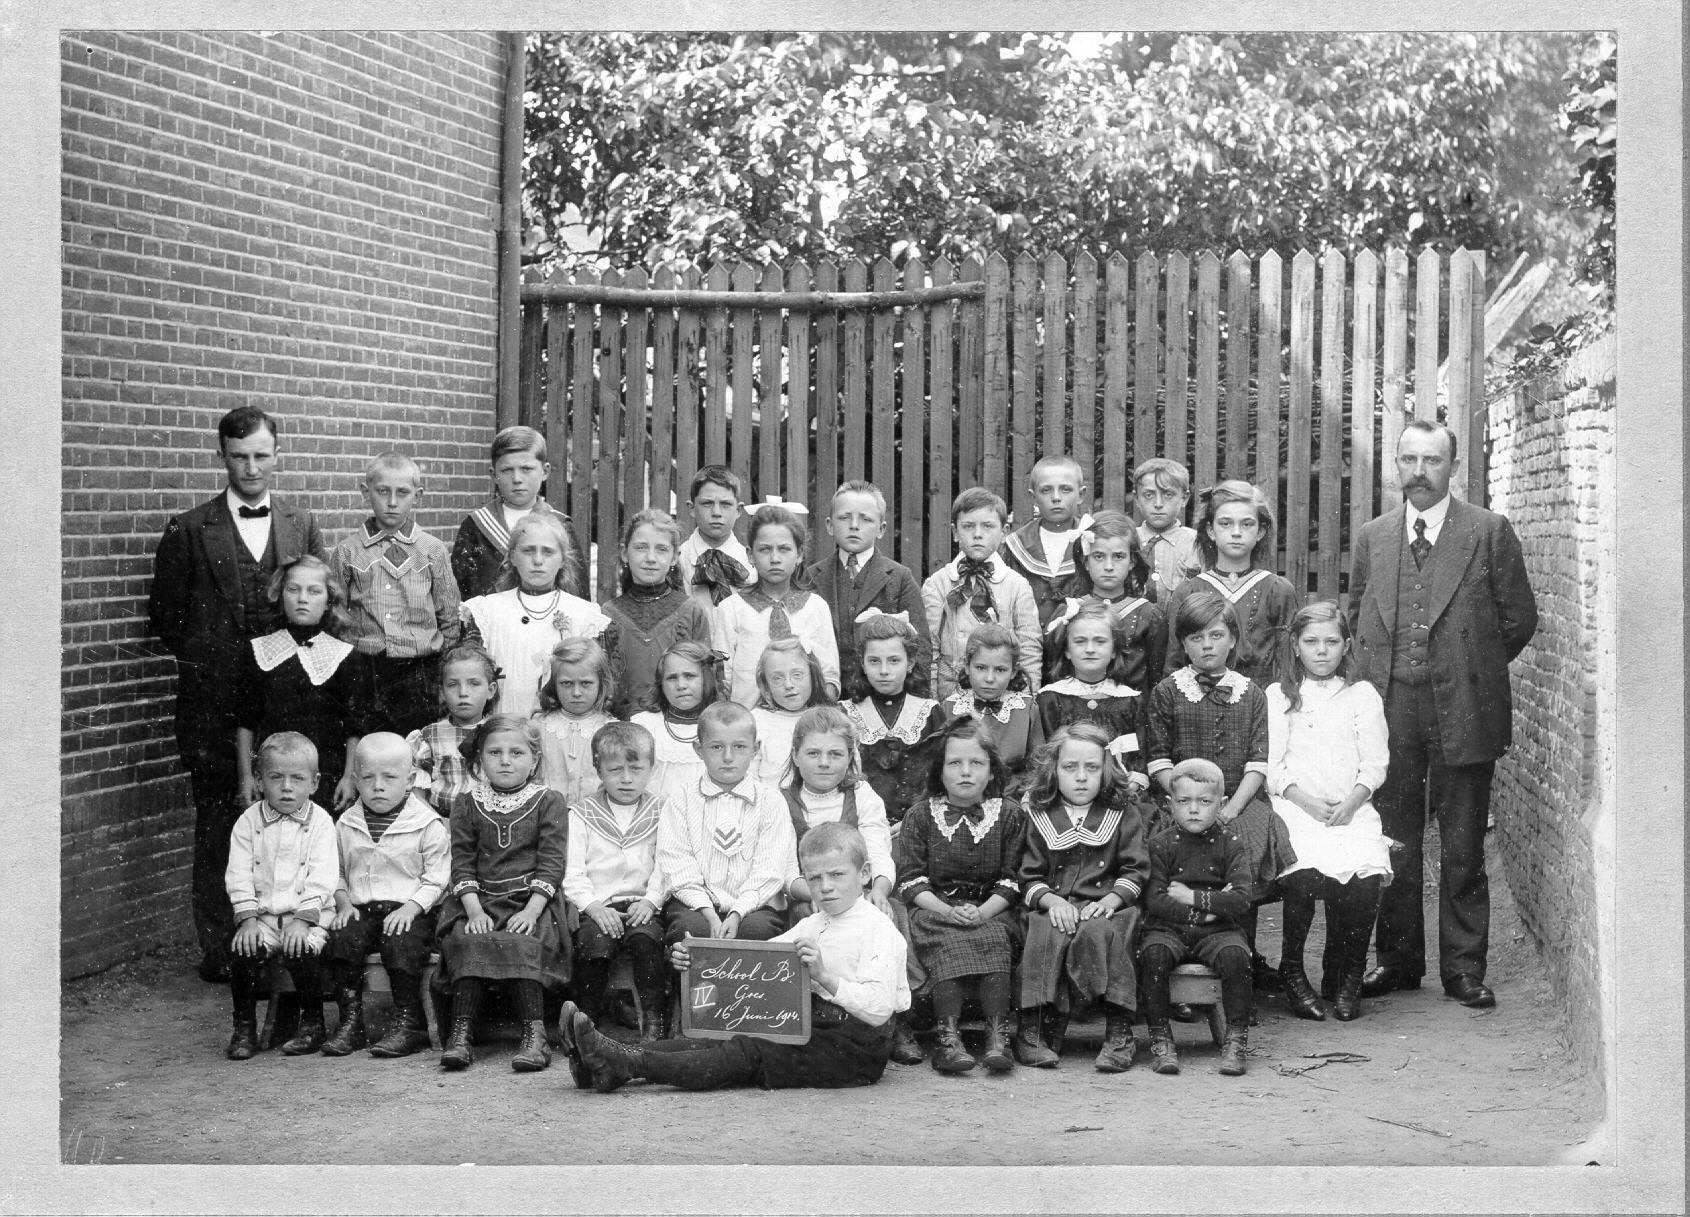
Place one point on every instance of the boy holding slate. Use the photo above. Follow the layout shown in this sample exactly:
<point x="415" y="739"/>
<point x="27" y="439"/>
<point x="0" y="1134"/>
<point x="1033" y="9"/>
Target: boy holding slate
<point x="856" y="961"/>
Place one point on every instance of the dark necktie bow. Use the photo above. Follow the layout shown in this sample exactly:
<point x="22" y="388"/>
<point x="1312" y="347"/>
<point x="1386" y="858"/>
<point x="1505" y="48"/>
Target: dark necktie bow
<point x="254" y="513"/>
<point x="975" y="587"/>
<point x="989" y="707"/>
<point x="1208" y="681"/>
<point x="718" y="572"/>
<point x="976" y="813"/>
<point x="1420" y="547"/>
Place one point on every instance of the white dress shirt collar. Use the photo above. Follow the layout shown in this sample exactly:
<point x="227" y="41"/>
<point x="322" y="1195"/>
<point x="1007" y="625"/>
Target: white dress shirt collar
<point x="254" y="530"/>
<point x="1433" y="515"/>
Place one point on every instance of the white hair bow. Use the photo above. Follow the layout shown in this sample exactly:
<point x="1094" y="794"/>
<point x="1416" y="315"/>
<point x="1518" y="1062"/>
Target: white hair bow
<point x="1070" y="607"/>
<point x="871" y="611"/>
<point x="774" y="500"/>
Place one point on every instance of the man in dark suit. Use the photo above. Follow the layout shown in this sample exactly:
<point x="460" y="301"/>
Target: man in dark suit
<point x="858" y="577"/>
<point x="209" y="597"/>
<point x="1439" y="606"/>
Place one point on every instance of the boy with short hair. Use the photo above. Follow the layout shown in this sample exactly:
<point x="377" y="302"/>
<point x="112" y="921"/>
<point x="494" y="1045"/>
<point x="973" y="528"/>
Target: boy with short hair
<point x="714" y="563"/>
<point x="519" y="468"/>
<point x="978" y="587"/>
<point x="1041" y="551"/>
<point x="282" y="872"/>
<point x="611" y="876"/>
<point x="857" y="982"/>
<point x="861" y="582"/>
<point x="1160" y="490"/>
<point x="1200" y="888"/>
<point x="395" y="862"/>
<point x="401" y="596"/>
<point x="725" y="846"/>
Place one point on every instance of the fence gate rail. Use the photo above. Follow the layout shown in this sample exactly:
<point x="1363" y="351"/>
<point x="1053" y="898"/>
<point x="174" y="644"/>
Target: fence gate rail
<point x="936" y="377"/>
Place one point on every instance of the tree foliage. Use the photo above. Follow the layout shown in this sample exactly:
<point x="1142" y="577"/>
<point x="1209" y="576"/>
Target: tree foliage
<point x="1590" y="119"/>
<point x="675" y="148"/>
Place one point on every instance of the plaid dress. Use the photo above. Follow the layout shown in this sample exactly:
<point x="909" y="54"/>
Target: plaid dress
<point x="442" y="770"/>
<point x="1265" y="603"/>
<point x="960" y="860"/>
<point x="1229" y="726"/>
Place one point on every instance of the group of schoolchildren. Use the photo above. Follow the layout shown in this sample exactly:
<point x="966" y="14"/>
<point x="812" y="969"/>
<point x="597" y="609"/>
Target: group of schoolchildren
<point x="980" y="788"/>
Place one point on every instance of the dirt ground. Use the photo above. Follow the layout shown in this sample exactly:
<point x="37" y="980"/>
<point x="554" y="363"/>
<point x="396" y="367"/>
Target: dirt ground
<point x="1427" y="1082"/>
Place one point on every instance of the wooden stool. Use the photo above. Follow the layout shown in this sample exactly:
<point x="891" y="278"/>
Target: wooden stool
<point x="276" y="982"/>
<point x="1195" y="985"/>
<point x="376" y="981"/>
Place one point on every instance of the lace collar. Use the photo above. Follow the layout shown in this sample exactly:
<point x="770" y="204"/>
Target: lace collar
<point x="871" y="728"/>
<point x="990" y="810"/>
<point x="1073" y="686"/>
<point x="321" y="655"/>
<point x="504" y="802"/>
<point x="962" y="702"/>
<point x="1235" y="683"/>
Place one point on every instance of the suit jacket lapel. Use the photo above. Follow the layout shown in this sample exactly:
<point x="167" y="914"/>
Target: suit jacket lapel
<point x="220" y="538"/>
<point x="1456" y="543"/>
<point x="870" y="580"/>
<point x="287" y="530"/>
<point x="1387" y="566"/>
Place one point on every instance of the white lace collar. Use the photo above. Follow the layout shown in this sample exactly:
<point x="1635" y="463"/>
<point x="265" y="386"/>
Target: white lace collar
<point x="871" y="728"/>
<point x="962" y="702"/>
<point x="1185" y="680"/>
<point x="320" y="657"/>
<point x="1073" y="686"/>
<point x="990" y="810"/>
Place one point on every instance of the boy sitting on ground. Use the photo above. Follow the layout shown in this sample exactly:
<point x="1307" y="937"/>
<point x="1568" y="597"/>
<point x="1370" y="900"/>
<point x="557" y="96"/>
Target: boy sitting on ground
<point x="856" y="960"/>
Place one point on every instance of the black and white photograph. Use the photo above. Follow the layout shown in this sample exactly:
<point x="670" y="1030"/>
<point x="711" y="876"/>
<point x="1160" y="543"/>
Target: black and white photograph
<point x="734" y="615"/>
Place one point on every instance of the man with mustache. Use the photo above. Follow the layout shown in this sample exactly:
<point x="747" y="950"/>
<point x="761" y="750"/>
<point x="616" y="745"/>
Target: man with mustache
<point x="1439" y="605"/>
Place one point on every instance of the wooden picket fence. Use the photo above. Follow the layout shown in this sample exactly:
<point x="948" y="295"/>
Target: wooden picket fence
<point x="940" y="377"/>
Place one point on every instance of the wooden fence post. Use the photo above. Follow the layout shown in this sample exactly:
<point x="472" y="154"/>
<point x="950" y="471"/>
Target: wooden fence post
<point x="809" y="387"/>
<point x="1024" y="389"/>
<point x="941" y="452"/>
<point x="908" y="506"/>
<point x="1331" y="422"/>
<point x="1084" y="413"/>
<point x="1297" y="437"/>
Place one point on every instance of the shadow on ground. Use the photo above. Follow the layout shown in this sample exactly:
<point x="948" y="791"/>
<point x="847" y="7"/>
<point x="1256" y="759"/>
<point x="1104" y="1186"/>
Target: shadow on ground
<point x="143" y="1080"/>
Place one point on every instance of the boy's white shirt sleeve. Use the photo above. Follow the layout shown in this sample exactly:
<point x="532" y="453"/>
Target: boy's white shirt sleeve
<point x="774" y="860"/>
<point x="1279" y="779"/>
<point x="1024" y="621"/>
<point x="879" y="986"/>
<point x="724" y="630"/>
<point x="322" y="873"/>
<point x="437" y="865"/>
<point x="676" y="857"/>
<point x="237" y="875"/>
<point x="877" y="833"/>
<point x="933" y="593"/>
<point x="577" y="886"/>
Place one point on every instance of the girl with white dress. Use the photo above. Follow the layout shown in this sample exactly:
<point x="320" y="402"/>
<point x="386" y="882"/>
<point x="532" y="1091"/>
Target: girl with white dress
<point x="520" y="625"/>
<point x="1327" y="752"/>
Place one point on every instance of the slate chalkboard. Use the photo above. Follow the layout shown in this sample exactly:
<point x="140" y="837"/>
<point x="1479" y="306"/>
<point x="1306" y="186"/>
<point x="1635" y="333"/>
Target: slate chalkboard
<point x="733" y="987"/>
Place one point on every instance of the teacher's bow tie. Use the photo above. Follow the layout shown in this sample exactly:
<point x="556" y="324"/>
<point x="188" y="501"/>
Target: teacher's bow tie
<point x="254" y="513"/>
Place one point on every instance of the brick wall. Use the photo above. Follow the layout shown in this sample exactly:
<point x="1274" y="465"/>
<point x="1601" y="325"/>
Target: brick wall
<point x="1552" y="473"/>
<point x="301" y="221"/>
